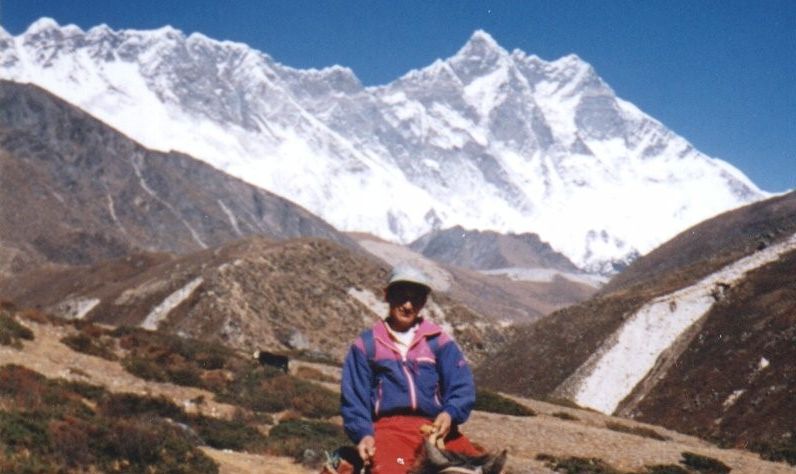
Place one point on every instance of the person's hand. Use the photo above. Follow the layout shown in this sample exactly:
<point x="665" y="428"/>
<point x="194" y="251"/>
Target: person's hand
<point x="367" y="448"/>
<point x="442" y="425"/>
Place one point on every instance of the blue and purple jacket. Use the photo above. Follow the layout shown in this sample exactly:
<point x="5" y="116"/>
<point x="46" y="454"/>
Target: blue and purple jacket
<point x="434" y="376"/>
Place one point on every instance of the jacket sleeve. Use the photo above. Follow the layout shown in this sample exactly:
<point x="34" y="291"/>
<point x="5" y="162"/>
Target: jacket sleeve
<point x="355" y="396"/>
<point x="456" y="382"/>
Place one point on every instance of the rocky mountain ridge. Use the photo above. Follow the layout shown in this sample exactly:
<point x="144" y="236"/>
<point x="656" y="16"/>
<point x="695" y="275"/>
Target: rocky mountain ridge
<point x="487" y="250"/>
<point x="485" y="139"/>
<point x="75" y="191"/>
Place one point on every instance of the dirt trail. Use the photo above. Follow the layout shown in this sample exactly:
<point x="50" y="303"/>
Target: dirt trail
<point x="231" y="462"/>
<point x="48" y="356"/>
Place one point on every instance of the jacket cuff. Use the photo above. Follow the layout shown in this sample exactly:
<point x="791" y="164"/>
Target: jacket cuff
<point x="456" y="415"/>
<point x="357" y="436"/>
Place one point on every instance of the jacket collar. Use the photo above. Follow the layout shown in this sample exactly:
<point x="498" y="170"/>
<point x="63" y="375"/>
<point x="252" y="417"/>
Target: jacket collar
<point x="425" y="329"/>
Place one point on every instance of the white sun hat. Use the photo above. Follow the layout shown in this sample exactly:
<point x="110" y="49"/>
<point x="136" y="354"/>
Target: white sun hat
<point x="406" y="273"/>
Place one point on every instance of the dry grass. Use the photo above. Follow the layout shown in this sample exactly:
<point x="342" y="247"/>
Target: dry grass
<point x="524" y="437"/>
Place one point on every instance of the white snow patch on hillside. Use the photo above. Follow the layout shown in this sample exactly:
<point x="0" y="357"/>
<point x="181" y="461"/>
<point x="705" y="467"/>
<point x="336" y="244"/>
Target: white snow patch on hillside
<point x="168" y="205"/>
<point x="613" y="372"/>
<point x="162" y="310"/>
<point x="76" y="308"/>
<point x="230" y="216"/>
<point x="734" y="396"/>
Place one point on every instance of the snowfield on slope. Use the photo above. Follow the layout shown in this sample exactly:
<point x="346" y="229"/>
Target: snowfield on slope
<point x="616" y="368"/>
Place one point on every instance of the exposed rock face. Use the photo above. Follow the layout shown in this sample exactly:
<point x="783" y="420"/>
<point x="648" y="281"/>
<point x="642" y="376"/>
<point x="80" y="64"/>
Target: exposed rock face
<point x="75" y="191"/>
<point x="487" y="250"/>
<point x="724" y="374"/>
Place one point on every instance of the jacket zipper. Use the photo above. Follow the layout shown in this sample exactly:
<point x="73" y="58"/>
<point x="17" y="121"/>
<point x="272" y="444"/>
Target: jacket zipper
<point x="412" y="393"/>
<point x="378" y="398"/>
<point x="409" y="378"/>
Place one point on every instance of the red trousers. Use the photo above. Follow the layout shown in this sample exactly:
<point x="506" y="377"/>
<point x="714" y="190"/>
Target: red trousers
<point x="399" y="439"/>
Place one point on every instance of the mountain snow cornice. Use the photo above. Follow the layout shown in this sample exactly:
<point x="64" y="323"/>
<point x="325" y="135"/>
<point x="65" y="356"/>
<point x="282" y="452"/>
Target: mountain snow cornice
<point x="487" y="139"/>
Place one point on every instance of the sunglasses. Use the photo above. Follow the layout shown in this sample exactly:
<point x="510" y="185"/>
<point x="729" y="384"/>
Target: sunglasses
<point x="402" y="292"/>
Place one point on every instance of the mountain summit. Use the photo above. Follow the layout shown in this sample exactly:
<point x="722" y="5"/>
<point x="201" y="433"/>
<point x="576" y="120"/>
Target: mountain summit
<point x="485" y="139"/>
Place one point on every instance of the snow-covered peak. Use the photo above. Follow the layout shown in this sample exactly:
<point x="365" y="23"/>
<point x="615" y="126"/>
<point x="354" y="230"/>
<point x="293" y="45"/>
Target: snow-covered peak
<point x="481" y="41"/>
<point x="519" y="55"/>
<point x="484" y="139"/>
<point x="480" y="47"/>
<point x="41" y="25"/>
<point x="478" y="56"/>
<point x="167" y="32"/>
<point x="100" y="30"/>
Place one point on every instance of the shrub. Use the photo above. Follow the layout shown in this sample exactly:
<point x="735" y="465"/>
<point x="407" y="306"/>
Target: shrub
<point x="294" y="437"/>
<point x="116" y="405"/>
<point x="144" y="368"/>
<point x="86" y="344"/>
<point x="223" y="434"/>
<point x="783" y="449"/>
<point x="204" y="354"/>
<point x="486" y="400"/>
<point x="12" y="332"/>
<point x="38" y="316"/>
<point x="24" y="386"/>
<point x="265" y="389"/>
<point x="665" y="469"/>
<point x="52" y="429"/>
<point x="167" y="358"/>
<point x="314" y="374"/>
<point x="31" y="391"/>
<point x="636" y="430"/>
<point x="187" y="376"/>
<point x="70" y="440"/>
<point x="23" y="430"/>
<point x="307" y="398"/>
<point x="704" y="464"/>
<point x="565" y="416"/>
<point x="577" y="465"/>
<point x="220" y="434"/>
<point x="151" y="445"/>
<point x="85" y="390"/>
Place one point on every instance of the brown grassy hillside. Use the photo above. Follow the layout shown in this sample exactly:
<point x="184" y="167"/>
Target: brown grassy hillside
<point x="306" y="295"/>
<point x="96" y="398"/>
<point x="729" y="378"/>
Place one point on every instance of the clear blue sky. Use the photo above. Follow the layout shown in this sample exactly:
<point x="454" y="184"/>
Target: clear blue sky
<point x="721" y="73"/>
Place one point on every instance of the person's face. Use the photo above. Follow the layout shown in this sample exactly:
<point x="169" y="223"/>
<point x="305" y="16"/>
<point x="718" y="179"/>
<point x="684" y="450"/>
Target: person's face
<point x="405" y="300"/>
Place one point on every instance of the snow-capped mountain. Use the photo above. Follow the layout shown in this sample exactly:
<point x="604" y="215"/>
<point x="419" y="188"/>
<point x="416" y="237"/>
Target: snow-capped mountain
<point x="487" y="139"/>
